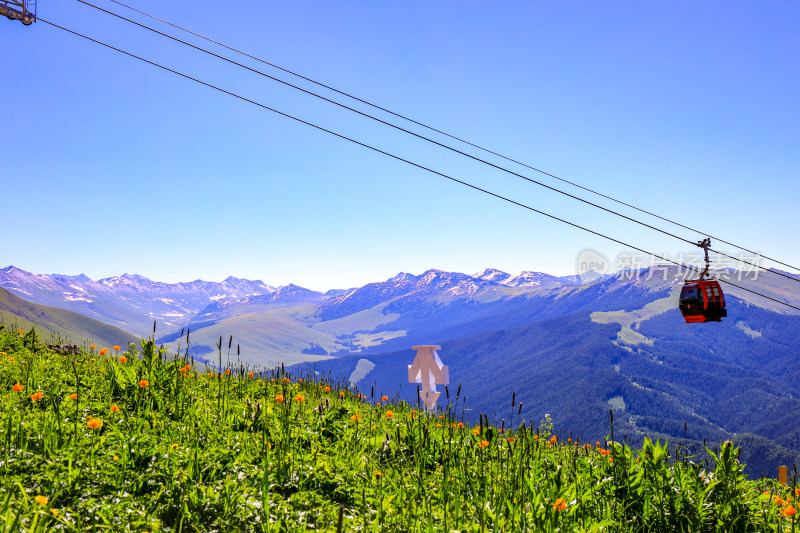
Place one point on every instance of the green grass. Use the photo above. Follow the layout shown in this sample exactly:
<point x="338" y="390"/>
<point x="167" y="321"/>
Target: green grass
<point x="151" y="444"/>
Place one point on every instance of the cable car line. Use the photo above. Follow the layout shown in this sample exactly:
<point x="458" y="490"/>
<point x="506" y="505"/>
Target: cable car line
<point x="398" y="158"/>
<point x="376" y="106"/>
<point x="428" y="139"/>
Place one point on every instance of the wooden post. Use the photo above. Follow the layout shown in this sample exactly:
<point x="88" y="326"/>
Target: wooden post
<point x="782" y="475"/>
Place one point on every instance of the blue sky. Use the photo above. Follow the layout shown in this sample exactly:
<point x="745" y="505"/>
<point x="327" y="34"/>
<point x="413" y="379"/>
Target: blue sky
<point x="109" y="165"/>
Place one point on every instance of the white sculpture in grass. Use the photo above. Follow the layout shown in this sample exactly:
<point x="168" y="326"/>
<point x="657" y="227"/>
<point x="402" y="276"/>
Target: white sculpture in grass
<point x="428" y="370"/>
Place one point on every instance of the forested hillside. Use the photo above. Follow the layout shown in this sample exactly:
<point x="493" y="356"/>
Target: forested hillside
<point x="688" y="383"/>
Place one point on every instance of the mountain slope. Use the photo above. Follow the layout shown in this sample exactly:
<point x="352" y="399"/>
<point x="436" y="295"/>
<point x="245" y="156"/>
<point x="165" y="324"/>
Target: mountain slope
<point x="59" y="325"/>
<point x="686" y="383"/>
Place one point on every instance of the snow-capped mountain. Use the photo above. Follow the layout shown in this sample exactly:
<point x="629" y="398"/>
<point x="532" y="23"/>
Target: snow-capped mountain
<point x="282" y="323"/>
<point x="129" y="301"/>
<point x="489" y="285"/>
<point x="132" y="302"/>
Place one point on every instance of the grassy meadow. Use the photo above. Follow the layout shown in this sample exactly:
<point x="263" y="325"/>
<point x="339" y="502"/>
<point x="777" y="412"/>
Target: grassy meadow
<point x="134" y="439"/>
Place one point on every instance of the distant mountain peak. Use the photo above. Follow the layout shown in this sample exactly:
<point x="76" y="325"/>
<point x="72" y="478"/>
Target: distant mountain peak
<point x="432" y="274"/>
<point x="401" y="276"/>
<point x="126" y="279"/>
<point x="293" y="289"/>
<point x="83" y="278"/>
<point x="492" y="274"/>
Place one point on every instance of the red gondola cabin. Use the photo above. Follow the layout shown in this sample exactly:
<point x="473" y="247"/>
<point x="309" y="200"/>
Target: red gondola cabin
<point x="702" y="301"/>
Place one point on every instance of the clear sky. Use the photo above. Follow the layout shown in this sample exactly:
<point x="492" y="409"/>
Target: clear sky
<point x="109" y="165"/>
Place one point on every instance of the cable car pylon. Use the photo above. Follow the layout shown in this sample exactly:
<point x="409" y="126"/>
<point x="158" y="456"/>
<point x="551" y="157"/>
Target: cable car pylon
<point x="22" y="10"/>
<point x="701" y="300"/>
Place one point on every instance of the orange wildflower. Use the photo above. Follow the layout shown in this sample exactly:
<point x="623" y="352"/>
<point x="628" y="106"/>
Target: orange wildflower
<point x="536" y="437"/>
<point x="327" y="389"/>
<point x="279" y="398"/>
<point x="384" y="398"/>
<point x="41" y="500"/>
<point x="18" y="388"/>
<point x="114" y="408"/>
<point x="104" y="351"/>
<point x="95" y="423"/>
<point x="484" y="443"/>
<point x="91" y="346"/>
<point x="355" y="418"/>
<point x="116" y="347"/>
<point x="36" y="396"/>
<point x="389" y="414"/>
<point x="20" y="332"/>
<point x="789" y="511"/>
<point x="341" y="393"/>
<point x="74" y="395"/>
<point x="553" y="439"/>
<point x="559" y="505"/>
<point x="510" y="439"/>
<point x="299" y="398"/>
<point x="250" y="375"/>
<point x="144" y="383"/>
<point x="123" y="359"/>
<point x="460" y="424"/>
<point x="476" y="431"/>
<point x="228" y="371"/>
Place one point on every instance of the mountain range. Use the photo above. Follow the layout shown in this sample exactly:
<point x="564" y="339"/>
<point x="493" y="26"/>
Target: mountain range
<point x="280" y="324"/>
<point x="562" y="347"/>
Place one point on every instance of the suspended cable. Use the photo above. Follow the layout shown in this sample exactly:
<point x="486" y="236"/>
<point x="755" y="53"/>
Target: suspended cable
<point x="398" y="158"/>
<point x="422" y="137"/>
<point x="487" y="150"/>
